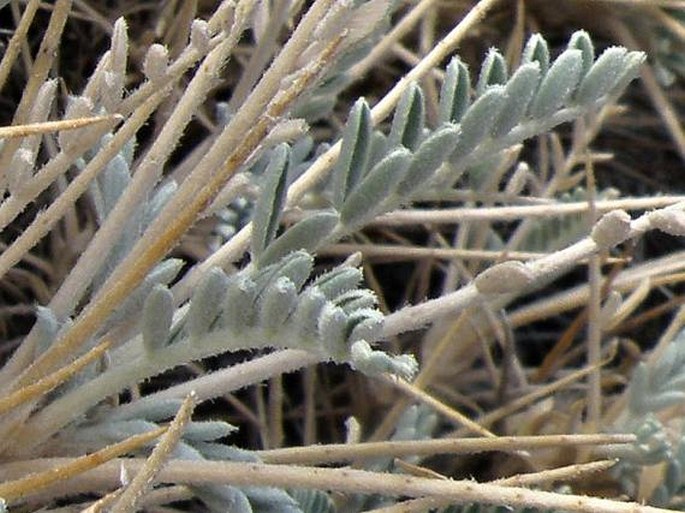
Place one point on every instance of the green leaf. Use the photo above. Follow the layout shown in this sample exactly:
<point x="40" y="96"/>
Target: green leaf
<point x="558" y="84"/>
<point x="455" y="92"/>
<point x="536" y="50"/>
<point x="492" y="72"/>
<point x="158" y="313"/>
<point x="603" y="75"/>
<point x="296" y="266"/>
<point x="478" y="122"/>
<point x="519" y="92"/>
<point x="580" y="40"/>
<point x="267" y="211"/>
<point x="276" y="303"/>
<point x="308" y="235"/>
<point x="205" y="304"/>
<point x="207" y="431"/>
<point x="631" y="70"/>
<point x="354" y="152"/>
<point x="306" y="316"/>
<point x="313" y="501"/>
<point x="368" y="198"/>
<point x="428" y="158"/>
<point x="338" y="281"/>
<point x="355" y="300"/>
<point x="237" y="311"/>
<point x="333" y="331"/>
<point x="409" y="120"/>
<point x="368" y="325"/>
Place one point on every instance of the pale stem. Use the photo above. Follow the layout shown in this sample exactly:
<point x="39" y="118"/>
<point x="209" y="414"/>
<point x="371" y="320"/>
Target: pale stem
<point x="132" y="494"/>
<point x="18" y="36"/>
<point x="344" y="480"/>
<point x="517" y="212"/>
<point x="332" y="453"/>
<point x="45" y="57"/>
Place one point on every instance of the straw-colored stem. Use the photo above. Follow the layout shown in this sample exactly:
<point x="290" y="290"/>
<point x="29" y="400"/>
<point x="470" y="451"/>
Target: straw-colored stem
<point x="346" y="480"/>
<point x="133" y="493"/>
<point x="338" y="453"/>
<point x="40" y="478"/>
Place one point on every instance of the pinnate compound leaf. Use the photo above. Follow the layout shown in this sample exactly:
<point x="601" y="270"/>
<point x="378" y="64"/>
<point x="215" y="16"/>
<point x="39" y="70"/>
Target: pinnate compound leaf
<point x="367" y="200"/>
<point x="558" y="84"/>
<point x="354" y="152"/>
<point x="267" y="211"/>
<point x="455" y="92"/>
<point x="409" y="119"/>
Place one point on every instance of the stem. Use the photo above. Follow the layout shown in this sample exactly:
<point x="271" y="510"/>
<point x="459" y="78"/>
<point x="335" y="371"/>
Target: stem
<point x="18" y="36"/>
<point x="517" y="212"/>
<point x="542" y="271"/>
<point x="594" y="327"/>
<point x="63" y="410"/>
<point x="330" y="453"/>
<point x="340" y="480"/>
<point x="47" y="52"/>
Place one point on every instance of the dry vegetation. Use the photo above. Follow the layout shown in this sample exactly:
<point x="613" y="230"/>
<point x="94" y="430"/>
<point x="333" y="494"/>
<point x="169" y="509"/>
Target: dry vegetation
<point x="557" y="383"/>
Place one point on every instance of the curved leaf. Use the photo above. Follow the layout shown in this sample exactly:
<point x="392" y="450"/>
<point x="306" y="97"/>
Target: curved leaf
<point x="308" y="235"/>
<point x="558" y="84"/>
<point x="519" y="92"/>
<point x="492" y="72"/>
<point x="267" y="212"/>
<point x="428" y="158"/>
<point x="409" y="119"/>
<point x="478" y="122"/>
<point x="602" y="76"/>
<point x="354" y="153"/>
<point x="368" y="199"/>
<point x="158" y="313"/>
<point x="580" y="40"/>
<point x="455" y="92"/>
<point x="536" y="50"/>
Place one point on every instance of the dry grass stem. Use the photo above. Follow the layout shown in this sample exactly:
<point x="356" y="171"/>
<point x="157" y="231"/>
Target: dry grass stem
<point x="132" y="493"/>
<point x="330" y="453"/>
